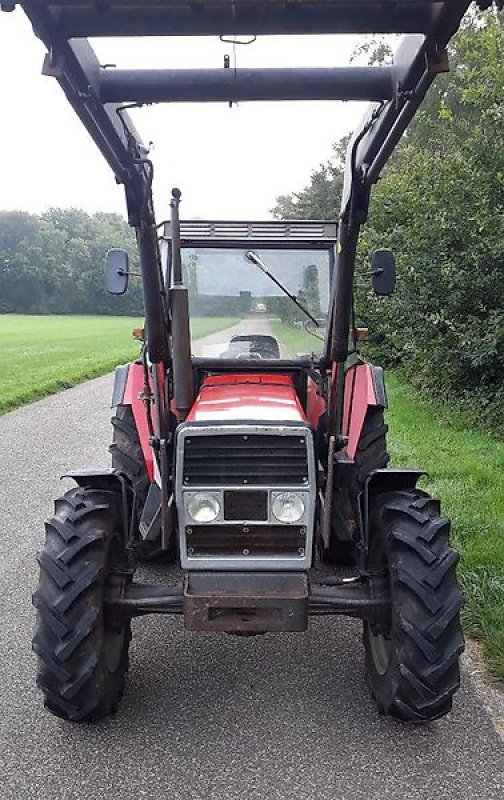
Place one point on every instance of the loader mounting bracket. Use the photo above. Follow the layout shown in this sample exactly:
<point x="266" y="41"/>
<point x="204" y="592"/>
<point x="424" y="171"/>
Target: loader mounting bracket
<point x="382" y="480"/>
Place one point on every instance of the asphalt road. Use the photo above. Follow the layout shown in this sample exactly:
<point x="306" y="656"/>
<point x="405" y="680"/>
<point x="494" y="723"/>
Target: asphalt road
<point x="204" y="717"/>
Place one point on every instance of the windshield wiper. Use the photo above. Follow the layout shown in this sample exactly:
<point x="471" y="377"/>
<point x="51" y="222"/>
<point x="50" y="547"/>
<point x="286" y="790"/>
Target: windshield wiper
<point x="254" y="259"/>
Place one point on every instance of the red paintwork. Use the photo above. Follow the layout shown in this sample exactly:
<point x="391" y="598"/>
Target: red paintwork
<point x="257" y="397"/>
<point x="134" y="386"/>
<point x="239" y="398"/>
<point x="315" y="405"/>
<point x="359" y="394"/>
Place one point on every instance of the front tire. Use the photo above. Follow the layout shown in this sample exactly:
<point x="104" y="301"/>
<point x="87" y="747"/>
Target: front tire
<point x="82" y="659"/>
<point x="412" y="663"/>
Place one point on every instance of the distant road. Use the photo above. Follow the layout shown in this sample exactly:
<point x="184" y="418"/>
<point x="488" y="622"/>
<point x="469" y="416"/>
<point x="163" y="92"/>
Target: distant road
<point x="204" y="717"/>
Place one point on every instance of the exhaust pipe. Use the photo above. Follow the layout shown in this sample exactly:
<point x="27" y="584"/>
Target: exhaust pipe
<point x="179" y="307"/>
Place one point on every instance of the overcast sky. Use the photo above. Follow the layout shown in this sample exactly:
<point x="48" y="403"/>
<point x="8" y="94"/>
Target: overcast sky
<point x="229" y="163"/>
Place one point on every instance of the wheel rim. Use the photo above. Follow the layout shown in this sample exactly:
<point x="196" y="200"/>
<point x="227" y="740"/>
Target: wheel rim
<point x="380" y="642"/>
<point x="114" y="636"/>
<point x="381" y="646"/>
<point x="114" y="646"/>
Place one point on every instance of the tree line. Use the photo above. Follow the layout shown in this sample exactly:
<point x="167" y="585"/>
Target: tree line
<point x="440" y="207"/>
<point x="54" y="263"/>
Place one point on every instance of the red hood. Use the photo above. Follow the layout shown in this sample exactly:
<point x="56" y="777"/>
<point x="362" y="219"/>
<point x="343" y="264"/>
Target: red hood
<point x="239" y="398"/>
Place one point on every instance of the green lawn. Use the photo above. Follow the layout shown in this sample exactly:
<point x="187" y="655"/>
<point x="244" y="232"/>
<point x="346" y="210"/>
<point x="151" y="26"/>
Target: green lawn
<point x="40" y="355"/>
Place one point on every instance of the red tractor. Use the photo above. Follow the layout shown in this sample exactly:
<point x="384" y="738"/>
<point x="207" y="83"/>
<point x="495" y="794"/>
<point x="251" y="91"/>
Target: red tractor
<point x="252" y="455"/>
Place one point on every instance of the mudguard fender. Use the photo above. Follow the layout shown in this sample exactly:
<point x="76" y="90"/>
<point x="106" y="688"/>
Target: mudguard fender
<point x="108" y="479"/>
<point x="378" y="481"/>
<point x="364" y="387"/>
<point x="128" y="385"/>
<point x="120" y="382"/>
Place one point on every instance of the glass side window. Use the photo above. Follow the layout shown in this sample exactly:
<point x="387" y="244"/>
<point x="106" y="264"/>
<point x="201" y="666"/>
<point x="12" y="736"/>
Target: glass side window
<point x="240" y="311"/>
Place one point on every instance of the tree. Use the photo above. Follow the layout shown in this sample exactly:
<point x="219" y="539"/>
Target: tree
<point x="321" y="198"/>
<point x="54" y="263"/>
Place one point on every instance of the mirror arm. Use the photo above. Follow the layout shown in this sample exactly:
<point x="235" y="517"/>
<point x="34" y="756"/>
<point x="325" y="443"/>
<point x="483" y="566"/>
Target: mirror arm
<point x="123" y="272"/>
<point x="377" y="271"/>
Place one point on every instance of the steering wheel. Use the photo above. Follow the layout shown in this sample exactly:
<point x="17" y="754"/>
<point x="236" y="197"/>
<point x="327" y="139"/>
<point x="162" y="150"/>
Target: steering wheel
<point x="249" y="356"/>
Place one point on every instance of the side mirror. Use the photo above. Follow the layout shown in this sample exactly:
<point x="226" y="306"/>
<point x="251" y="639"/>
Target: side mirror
<point x="383" y="272"/>
<point x="116" y="271"/>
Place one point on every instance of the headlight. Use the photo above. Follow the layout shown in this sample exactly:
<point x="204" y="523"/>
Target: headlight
<point x="203" y="507"/>
<point x="288" y="507"/>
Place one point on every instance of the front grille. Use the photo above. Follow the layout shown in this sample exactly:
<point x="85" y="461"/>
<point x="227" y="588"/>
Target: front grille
<point x="245" y="459"/>
<point x="244" y="540"/>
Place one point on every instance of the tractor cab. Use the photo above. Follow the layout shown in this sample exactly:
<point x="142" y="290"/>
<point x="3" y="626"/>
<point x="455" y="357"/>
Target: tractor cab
<point x="271" y="279"/>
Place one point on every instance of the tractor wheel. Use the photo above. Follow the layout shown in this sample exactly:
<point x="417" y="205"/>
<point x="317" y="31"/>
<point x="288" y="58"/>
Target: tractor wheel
<point x="127" y="456"/>
<point x="412" y="662"/>
<point x="371" y="454"/>
<point x="82" y="657"/>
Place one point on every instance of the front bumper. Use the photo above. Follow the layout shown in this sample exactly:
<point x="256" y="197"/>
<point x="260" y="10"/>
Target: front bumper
<point x="247" y="602"/>
<point x="251" y="602"/>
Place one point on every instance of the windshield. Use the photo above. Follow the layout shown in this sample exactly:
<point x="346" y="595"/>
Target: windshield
<point x="238" y="311"/>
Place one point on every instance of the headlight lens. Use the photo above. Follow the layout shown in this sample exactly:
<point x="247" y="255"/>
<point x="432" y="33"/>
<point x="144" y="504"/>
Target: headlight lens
<point x="203" y="507"/>
<point x="288" y="507"/>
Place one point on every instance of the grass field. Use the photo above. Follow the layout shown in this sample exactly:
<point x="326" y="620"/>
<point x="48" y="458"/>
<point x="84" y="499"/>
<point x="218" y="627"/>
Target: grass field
<point x="41" y="355"/>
